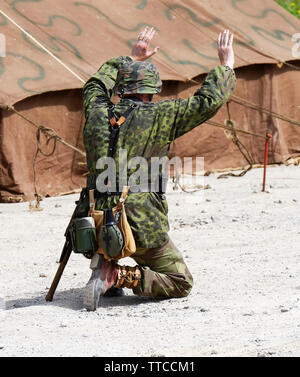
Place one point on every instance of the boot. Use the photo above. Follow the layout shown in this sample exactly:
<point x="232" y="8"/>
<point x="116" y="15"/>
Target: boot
<point x="114" y="292"/>
<point x="108" y="278"/>
<point x="104" y="276"/>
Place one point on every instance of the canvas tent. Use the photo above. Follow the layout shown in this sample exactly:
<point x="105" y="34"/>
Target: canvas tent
<point x="84" y="34"/>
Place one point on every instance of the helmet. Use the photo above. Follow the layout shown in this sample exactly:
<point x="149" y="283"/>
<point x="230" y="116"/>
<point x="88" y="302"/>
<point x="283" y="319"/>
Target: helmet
<point x="138" y="77"/>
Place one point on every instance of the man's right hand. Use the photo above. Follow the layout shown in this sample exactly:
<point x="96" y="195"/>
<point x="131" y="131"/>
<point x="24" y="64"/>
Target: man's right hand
<point x="225" y="50"/>
<point x="140" y="50"/>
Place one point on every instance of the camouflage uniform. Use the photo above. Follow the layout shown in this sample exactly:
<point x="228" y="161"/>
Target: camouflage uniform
<point x="148" y="132"/>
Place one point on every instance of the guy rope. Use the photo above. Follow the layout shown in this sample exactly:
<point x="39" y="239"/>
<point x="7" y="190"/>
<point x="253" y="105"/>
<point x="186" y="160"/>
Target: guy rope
<point x="50" y="135"/>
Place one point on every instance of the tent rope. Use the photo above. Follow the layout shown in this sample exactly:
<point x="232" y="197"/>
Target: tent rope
<point x="42" y="46"/>
<point x="50" y="135"/>
<point x="225" y="127"/>
<point x="229" y="126"/>
<point x="246" y="154"/>
<point x="246" y="103"/>
<point x="243" y="102"/>
<point x="48" y="132"/>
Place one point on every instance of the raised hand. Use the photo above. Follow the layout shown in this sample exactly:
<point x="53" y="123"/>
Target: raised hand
<point x="141" y="50"/>
<point x="225" y="50"/>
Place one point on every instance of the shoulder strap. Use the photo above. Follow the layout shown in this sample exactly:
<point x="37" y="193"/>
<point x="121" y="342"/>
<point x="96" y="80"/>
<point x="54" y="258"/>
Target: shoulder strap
<point x="91" y="201"/>
<point x="122" y="198"/>
<point x="124" y="193"/>
<point x="114" y="126"/>
<point x="121" y="120"/>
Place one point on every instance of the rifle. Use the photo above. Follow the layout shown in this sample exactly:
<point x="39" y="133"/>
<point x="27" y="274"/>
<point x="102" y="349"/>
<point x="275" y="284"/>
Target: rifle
<point x="66" y="251"/>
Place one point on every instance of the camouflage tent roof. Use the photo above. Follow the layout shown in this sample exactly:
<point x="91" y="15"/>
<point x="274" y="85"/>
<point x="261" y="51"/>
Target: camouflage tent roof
<point x="83" y="34"/>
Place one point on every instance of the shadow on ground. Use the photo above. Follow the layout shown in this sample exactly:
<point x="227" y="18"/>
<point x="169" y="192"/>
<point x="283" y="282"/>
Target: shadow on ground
<point x="73" y="298"/>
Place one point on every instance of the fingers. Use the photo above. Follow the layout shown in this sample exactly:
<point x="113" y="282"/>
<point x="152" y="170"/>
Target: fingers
<point x="142" y="34"/>
<point x="225" y="38"/>
<point x="219" y="39"/>
<point x="140" y="50"/>
<point x="146" y="34"/>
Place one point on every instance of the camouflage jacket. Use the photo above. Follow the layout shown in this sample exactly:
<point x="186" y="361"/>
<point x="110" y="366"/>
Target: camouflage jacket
<point x="147" y="132"/>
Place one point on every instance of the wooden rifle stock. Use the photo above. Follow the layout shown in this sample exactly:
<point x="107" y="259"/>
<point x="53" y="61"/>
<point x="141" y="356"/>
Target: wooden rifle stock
<point x="66" y="252"/>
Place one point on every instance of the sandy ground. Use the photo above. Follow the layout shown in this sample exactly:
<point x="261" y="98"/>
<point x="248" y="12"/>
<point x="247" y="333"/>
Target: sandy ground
<point x="241" y="245"/>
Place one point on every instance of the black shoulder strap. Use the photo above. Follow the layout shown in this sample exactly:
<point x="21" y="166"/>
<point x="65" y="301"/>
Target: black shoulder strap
<point x="115" y="126"/>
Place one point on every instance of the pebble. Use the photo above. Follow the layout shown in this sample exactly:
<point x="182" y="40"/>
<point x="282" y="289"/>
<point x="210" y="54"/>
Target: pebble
<point x="284" y="310"/>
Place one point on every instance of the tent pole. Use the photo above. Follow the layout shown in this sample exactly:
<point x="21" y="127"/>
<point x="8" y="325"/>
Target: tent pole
<point x="268" y="137"/>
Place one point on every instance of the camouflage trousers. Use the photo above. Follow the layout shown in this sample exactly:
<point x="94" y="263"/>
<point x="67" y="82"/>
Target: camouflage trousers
<point x="164" y="272"/>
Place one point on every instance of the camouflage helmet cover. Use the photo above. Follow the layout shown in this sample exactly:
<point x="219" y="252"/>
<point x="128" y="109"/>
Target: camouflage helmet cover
<point x="138" y="77"/>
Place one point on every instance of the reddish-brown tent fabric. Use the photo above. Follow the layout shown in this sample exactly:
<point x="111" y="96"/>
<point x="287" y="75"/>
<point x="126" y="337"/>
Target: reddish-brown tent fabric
<point x="267" y="86"/>
<point x="84" y="34"/>
<point x="56" y="174"/>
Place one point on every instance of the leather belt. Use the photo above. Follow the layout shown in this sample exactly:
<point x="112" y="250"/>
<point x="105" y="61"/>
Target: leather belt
<point x="98" y="195"/>
<point x="132" y="190"/>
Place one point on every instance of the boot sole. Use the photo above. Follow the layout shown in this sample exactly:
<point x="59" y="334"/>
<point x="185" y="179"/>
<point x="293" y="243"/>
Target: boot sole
<point x="90" y="296"/>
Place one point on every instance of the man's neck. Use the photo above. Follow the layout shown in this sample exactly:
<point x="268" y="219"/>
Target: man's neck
<point x="145" y="97"/>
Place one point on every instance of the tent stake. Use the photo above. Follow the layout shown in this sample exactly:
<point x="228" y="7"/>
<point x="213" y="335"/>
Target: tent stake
<point x="268" y="137"/>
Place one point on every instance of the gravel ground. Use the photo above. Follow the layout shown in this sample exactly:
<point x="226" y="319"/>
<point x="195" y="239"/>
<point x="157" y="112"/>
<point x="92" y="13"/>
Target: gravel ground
<point x="241" y="245"/>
